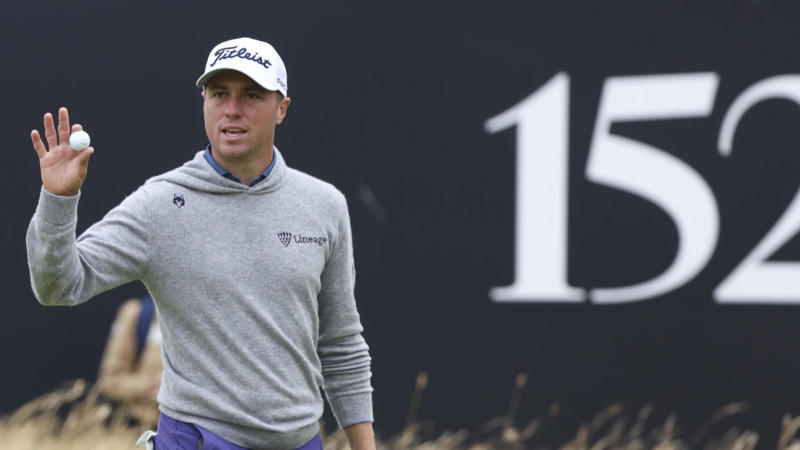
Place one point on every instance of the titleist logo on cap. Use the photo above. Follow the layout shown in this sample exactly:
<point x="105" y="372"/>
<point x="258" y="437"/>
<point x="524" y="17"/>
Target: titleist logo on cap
<point x="232" y="52"/>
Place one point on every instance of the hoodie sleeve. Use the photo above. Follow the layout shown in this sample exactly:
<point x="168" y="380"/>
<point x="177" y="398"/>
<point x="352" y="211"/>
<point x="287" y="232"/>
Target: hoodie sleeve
<point x="68" y="271"/>
<point x="343" y="352"/>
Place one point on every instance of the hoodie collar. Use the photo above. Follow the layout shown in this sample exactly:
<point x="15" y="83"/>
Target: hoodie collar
<point x="221" y="170"/>
<point x="199" y="175"/>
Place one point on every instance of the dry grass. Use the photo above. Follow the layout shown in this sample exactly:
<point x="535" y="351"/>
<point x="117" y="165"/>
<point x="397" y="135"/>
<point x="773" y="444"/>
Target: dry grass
<point x="75" y="417"/>
<point x="70" y="418"/>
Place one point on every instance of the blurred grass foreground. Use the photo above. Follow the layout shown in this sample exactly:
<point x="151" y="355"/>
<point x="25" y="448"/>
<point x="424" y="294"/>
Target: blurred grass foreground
<point x="77" y="417"/>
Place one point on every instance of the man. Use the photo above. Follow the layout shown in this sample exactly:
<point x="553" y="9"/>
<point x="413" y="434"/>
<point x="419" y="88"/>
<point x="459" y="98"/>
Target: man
<point x="130" y="368"/>
<point x="249" y="262"/>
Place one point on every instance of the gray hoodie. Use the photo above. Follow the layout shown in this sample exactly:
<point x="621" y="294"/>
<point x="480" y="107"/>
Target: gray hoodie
<point x="253" y="287"/>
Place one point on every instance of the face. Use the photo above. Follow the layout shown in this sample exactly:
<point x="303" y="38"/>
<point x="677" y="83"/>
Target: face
<point x="240" y="117"/>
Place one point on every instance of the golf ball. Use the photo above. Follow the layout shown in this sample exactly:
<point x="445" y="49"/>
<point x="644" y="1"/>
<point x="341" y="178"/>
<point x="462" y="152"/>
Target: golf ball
<point x="79" y="140"/>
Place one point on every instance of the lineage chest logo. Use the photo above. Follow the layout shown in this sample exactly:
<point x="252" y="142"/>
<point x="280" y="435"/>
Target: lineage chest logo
<point x="287" y="238"/>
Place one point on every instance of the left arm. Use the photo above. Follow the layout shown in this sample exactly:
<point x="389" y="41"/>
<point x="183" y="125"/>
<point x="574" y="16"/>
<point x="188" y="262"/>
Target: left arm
<point x="342" y="350"/>
<point x="361" y="436"/>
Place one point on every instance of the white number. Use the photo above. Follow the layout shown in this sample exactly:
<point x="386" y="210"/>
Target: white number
<point x="757" y="280"/>
<point x="542" y="181"/>
<point x="664" y="180"/>
<point x="541" y="229"/>
<point x="542" y="122"/>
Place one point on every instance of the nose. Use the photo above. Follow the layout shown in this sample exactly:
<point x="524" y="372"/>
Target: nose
<point x="233" y="106"/>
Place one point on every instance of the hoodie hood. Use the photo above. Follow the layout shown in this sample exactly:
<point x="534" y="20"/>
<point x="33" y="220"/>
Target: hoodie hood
<point x="197" y="174"/>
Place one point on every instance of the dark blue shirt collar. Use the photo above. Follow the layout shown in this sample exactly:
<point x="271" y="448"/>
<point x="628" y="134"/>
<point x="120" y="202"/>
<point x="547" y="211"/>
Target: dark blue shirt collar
<point x="220" y="170"/>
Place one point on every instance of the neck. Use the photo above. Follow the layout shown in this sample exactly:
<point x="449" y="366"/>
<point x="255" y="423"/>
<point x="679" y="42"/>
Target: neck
<point x="249" y="169"/>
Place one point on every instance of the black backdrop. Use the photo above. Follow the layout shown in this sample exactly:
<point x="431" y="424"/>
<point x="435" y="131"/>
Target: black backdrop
<point x="389" y="103"/>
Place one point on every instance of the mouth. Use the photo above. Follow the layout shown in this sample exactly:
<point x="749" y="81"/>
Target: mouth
<point x="233" y="132"/>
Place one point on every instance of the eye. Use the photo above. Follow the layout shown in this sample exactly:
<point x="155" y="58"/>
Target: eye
<point x="253" y="96"/>
<point x="217" y="94"/>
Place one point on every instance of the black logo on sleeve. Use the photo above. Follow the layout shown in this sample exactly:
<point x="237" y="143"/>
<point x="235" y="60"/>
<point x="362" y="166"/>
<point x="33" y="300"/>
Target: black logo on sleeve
<point x="178" y="200"/>
<point x="287" y="238"/>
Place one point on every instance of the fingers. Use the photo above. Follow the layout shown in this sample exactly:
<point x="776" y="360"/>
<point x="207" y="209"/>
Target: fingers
<point x="50" y="131"/>
<point x="83" y="159"/>
<point x="38" y="145"/>
<point x="61" y="134"/>
<point x="52" y="135"/>
<point x="63" y="125"/>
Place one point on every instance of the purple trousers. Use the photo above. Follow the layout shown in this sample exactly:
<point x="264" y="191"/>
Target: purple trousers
<point x="176" y="435"/>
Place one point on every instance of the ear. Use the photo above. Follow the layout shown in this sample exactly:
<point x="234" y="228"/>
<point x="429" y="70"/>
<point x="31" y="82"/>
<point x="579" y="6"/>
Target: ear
<point x="283" y="107"/>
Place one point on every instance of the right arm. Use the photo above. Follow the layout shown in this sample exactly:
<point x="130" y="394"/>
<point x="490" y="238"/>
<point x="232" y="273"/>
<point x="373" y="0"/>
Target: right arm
<point x="65" y="270"/>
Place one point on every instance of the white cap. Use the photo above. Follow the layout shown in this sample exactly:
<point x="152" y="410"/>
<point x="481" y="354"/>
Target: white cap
<point x="256" y="59"/>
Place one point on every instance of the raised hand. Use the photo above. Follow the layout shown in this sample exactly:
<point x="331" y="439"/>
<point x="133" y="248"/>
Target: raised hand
<point x="63" y="169"/>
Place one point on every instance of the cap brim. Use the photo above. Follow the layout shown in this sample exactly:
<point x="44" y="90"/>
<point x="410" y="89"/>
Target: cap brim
<point x="201" y="82"/>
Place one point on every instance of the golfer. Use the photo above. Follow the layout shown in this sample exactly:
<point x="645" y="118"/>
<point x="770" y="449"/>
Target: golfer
<point x="249" y="262"/>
